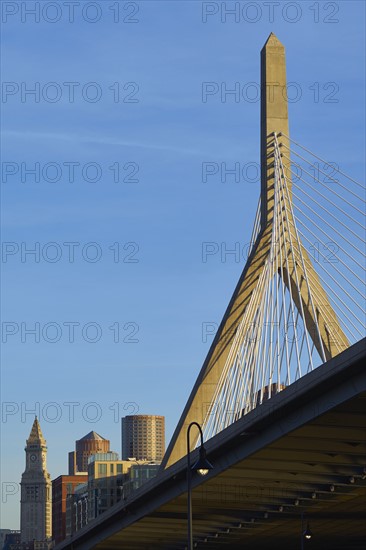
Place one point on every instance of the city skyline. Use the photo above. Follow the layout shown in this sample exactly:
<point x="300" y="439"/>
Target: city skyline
<point x="173" y="297"/>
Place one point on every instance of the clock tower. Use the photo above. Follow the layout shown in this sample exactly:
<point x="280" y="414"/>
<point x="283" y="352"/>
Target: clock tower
<point x="35" y="502"/>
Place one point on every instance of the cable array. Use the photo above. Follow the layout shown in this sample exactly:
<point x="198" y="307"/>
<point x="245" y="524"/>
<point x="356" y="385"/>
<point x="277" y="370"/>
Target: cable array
<point x="329" y="207"/>
<point x="310" y="291"/>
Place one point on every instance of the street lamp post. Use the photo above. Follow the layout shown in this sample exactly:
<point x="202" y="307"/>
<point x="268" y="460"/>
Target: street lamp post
<point x="202" y="466"/>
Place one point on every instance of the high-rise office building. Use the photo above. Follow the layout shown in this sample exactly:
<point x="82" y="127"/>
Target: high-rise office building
<point x="77" y="509"/>
<point x="87" y="446"/>
<point x="35" y="503"/>
<point x="62" y="487"/>
<point x="143" y="437"/>
<point x="106" y="474"/>
<point x="108" y="483"/>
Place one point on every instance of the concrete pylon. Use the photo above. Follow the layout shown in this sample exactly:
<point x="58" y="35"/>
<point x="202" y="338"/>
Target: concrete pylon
<point x="274" y="117"/>
<point x="308" y="293"/>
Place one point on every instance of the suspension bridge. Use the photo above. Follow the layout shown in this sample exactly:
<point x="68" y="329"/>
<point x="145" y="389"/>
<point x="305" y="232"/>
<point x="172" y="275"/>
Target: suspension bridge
<point x="281" y="395"/>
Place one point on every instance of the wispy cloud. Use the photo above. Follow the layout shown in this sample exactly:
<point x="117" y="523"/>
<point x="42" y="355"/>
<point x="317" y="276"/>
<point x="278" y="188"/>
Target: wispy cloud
<point x="98" y="140"/>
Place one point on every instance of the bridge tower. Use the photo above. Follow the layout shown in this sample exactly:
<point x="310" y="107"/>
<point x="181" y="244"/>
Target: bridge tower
<point x="246" y="362"/>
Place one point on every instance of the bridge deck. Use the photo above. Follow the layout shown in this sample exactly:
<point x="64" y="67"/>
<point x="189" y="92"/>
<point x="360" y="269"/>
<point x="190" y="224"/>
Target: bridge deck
<point x="303" y="451"/>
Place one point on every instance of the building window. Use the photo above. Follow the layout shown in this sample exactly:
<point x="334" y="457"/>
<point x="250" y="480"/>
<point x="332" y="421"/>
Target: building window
<point x="102" y="468"/>
<point x="111" y="469"/>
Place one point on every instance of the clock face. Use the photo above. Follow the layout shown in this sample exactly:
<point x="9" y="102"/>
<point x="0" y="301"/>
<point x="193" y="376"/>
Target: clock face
<point x="33" y="457"/>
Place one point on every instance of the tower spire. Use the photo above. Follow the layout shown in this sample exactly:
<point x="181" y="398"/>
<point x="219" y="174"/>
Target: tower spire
<point x="36" y="435"/>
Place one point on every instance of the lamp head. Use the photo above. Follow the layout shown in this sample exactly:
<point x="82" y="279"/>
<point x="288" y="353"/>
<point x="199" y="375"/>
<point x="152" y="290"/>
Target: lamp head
<point x="307" y="533"/>
<point x="202" y="466"/>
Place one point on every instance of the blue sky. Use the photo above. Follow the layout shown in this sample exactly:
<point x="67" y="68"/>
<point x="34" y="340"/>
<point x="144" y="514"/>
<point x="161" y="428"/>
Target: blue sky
<point x="158" y="291"/>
